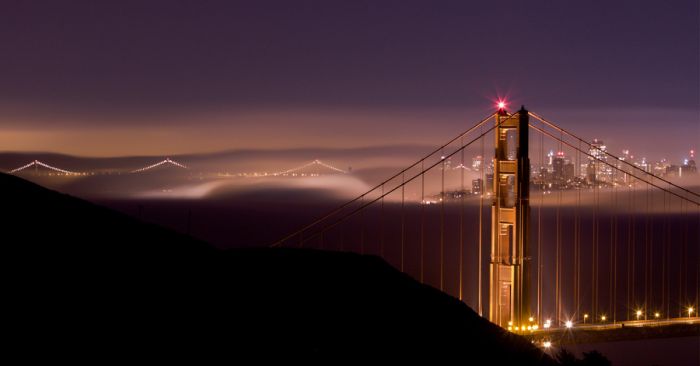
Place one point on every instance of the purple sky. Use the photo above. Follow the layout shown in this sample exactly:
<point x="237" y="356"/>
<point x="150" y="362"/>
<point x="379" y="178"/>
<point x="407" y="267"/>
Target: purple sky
<point x="160" y="77"/>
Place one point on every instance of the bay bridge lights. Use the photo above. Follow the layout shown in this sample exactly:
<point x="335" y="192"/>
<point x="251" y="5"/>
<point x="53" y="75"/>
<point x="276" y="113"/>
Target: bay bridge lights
<point x="310" y="169"/>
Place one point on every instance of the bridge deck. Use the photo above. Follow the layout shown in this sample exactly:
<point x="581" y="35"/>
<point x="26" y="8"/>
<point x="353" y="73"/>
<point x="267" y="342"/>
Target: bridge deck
<point x="627" y="330"/>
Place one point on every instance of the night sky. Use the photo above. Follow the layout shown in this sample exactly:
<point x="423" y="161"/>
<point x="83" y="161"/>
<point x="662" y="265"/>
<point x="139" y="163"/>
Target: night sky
<point x="160" y="77"/>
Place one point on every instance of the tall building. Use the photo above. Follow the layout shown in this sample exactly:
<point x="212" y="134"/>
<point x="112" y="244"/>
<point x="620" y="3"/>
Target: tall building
<point x="598" y="169"/>
<point x="477" y="163"/>
<point x="689" y="166"/>
<point x="489" y="182"/>
<point x="558" y="167"/>
<point x="569" y="171"/>
<point x="477" y="186"/>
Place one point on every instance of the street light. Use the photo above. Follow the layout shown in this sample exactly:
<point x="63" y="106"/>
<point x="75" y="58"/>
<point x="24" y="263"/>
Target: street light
<point x="639" y="314"/>
<point x="657" y="315"/>
<point x="547" y="344"/>
<point x="585" y="317"/>
<point x="569" y="324"/>
<point x="603" y="317"/>
<point x="690" y="311"/>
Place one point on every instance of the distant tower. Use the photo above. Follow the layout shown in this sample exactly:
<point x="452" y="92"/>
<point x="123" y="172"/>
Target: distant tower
<point x="509" y="301"/>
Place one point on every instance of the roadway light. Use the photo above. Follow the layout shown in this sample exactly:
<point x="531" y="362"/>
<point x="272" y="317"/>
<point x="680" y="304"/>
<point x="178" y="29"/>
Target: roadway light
<point x="585" y="317"/>
<point x="603" y="318"/>
<point x="639" y="314"/>
<point x="531" y="319"/>
<point x="569" y="324"/>
<point x="547" y="344"/>
<point x="690" y="311"/>
<point x="656" y="315"/>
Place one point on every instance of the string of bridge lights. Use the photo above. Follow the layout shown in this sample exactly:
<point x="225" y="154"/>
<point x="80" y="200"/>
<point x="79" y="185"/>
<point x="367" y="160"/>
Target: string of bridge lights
<point x="315" y="162"/>
<point x="47" y="166"/>
<point x="168" y="161"/>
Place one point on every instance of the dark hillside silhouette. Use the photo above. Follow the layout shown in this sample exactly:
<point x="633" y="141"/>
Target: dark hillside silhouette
<point x="87" y="283"/>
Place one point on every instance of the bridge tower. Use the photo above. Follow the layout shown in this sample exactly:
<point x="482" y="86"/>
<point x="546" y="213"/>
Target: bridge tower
<point x="509" y="302"/>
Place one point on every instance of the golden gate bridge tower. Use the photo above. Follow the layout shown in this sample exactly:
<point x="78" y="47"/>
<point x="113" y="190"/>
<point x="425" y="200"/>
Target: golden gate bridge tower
<point x="509" y="303"/>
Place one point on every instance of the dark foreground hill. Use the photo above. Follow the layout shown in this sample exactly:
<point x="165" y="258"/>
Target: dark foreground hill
<point x="82" y="282"/>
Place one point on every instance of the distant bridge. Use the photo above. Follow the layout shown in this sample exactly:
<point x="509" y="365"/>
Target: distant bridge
<point x="37" y="163"/>
<point x="297" y="171"/>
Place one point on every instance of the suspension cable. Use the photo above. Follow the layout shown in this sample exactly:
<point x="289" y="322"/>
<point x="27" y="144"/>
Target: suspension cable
<point x="343" y="206"/>
<point x="420" y="174"/>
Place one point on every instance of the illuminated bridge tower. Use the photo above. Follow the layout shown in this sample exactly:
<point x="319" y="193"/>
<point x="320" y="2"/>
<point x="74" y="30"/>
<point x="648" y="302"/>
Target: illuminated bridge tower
<point x="510" y="219"/>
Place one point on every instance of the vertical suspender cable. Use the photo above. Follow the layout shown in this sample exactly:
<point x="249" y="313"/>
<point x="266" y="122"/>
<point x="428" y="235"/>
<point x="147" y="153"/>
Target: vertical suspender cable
<point x="697" y="265"/>
<point x="558" y="255"/>
<point x="480" y="245"/>
<point x="667" y="264"/>
<point x="539" y="230"/>
<point x="381" y="224"/>
<point x="594" y="256"/>
<point x="422" y="222"/>
<point x="403" y="219"/>
<point x="442" y="225"/>
<point x="577" y="239"/>
<point x="613" y="254"/>
<point x="462" y="193"/>
<point x="630" y="258"/>
<point x="634" y="253"/>
<point x="362" y="226"/>
<point x="681" y="259"/>
<point x="646" y="253"/>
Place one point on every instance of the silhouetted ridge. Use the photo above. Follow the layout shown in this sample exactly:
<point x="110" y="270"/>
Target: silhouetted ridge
<point x="87" y="282"/>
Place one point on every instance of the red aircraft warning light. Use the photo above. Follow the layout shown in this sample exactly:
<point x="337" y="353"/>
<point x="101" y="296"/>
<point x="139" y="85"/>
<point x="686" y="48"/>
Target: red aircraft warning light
<point x="501" y="104"/>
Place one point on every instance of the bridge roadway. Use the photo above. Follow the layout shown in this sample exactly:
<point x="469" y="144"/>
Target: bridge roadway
<point x="618" y="331"/>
